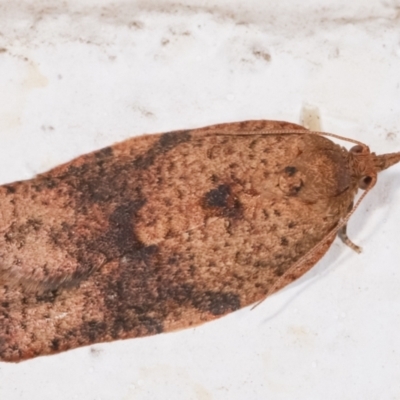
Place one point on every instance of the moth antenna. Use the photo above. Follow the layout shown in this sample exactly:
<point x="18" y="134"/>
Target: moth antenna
<point x="314" y="250"/>
<point x="296" y="131"/>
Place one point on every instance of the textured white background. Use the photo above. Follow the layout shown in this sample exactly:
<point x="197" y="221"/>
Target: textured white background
<point x="81" y="74"/>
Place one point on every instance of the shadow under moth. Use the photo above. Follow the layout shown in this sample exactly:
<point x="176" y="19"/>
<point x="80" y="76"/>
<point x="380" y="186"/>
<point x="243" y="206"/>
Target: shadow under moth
<point x="167" y="231"/>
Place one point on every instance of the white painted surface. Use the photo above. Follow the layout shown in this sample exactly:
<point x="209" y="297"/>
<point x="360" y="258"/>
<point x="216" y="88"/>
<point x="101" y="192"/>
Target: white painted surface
<point x="79" y="75"/>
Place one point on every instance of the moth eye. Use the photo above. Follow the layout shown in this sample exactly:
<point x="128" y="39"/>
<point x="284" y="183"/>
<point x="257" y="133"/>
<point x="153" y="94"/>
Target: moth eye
<point x="365" y="182"/>
<point x="358" y="149"/>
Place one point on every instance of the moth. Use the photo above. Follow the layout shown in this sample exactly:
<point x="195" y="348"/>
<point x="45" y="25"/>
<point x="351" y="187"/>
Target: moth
<point x="167" y="231"/>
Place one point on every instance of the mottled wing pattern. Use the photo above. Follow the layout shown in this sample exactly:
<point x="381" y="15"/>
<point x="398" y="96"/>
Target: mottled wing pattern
<point x="161" y="232"/>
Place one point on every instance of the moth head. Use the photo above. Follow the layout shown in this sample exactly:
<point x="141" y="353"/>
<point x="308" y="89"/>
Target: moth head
<point x="364" y="166"/>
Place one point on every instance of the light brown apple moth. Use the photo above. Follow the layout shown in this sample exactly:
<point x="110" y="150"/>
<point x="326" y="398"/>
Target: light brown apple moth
<point x="168" y="231"/>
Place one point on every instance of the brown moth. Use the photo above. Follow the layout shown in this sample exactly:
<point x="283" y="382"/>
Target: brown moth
<point x="167" y="231"/>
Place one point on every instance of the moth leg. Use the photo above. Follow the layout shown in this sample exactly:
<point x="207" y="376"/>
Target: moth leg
<point x="342" y="234"/>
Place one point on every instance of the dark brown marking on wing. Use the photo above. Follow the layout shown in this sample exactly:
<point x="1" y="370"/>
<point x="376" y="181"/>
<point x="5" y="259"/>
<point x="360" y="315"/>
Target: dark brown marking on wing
<point x="93" y="330"/>
<point x="166" y="143"/>
<point x="104" y="153"/>
<point x="120" y="238"/>
<point x="222" y="202"/>
<point x="290" y="171"/>
<point x="217" y="303"/>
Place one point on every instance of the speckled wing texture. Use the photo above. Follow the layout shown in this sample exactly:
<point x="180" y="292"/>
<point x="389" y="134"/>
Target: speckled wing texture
<point x="162" y="232"/>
